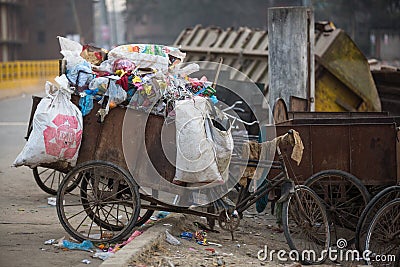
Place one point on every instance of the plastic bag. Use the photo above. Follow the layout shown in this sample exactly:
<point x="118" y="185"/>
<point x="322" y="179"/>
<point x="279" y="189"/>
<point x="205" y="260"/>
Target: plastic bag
<point x="71" y="51"/>
<point x="86" y="101"/>
<point x="116" y="95"/>
<point x="80" y="74"/>
<point x="102" y="255"/>
<point x="86" y="245"/>
<point x="123" y="64"/>
<point x="171" y="239"/>
<point x="57" y="129"/>
<point x="187" y="70"/>
<point x="106" y="66"/>
<point x="99" y="83"/>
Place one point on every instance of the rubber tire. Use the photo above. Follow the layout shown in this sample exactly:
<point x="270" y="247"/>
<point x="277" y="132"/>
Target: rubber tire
<point x="373" y="223"/>
<point x="129" y="180"/>
<point x="347" y="176"/>
<point x="147" y="215"/>
<point x="367" y="210"/>
<point x="44" y="187"/>
<point x="285" y="222"/>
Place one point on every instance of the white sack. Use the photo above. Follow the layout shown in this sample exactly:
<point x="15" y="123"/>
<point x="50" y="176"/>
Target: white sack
<point x="57" y="129"/>
<point x="203" y="152"/>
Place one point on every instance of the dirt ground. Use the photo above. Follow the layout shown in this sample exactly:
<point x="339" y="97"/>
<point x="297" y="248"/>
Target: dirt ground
<point x="256" y="232"/>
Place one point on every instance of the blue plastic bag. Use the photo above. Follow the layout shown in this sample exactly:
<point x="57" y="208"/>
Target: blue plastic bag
<point x="86" y="245"/>
<point x="86" y="101"/>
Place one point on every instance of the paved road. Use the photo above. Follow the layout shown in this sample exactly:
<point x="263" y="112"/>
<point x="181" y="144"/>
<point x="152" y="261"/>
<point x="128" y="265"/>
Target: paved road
<point x="26" y="220"/>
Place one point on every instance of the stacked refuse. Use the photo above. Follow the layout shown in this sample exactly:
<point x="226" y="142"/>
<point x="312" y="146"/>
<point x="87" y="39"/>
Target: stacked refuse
<point x="146" y="77"/>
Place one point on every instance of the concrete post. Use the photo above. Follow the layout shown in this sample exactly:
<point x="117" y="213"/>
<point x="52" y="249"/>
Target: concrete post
<point x="291" y="57"/>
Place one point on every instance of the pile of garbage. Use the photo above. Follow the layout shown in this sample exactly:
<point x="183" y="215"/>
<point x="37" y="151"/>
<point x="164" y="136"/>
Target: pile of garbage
<point x="146" y="77"/>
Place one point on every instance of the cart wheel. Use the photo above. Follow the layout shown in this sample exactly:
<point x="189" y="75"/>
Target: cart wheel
<point x="145" y="214"/>
<point x="376" y="203"/>
<point x="306" y="226"/>
<point x="383" y="236"/>
<point x="344" y="195"/>
<point x="103" y="208"/>
<point x="49" y="180"/>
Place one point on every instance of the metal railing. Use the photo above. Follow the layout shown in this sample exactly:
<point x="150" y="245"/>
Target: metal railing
<point x="27" y="73"/>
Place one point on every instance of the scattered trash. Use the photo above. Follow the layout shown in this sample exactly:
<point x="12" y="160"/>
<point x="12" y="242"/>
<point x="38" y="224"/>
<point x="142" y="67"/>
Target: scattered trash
<point x="162" y="214"/>
<point x="86" y="245"/>
<point x="200" y="235"/>
<point x="187" y="235"/>
<point x="238" y="245"/>
<point x="85" y="261"/>
<point x="159" y="215"/>
<point x="220" y="262"/>
<point x="215" y="244"/>
<point x="203" y="243"/>
<point x="192" y="249"/>
<point x="59" y="242"/>
<point x="210" y="249"/>
<point x="167" y="224"/>
<point x="51" y="201"/>
<point x="171" y="239"/>
<point x="49" y="242"/>
<point x="227" y="254"/>
<point x="102" y="255"/>
<point x="95" y="236"/>
<point x="170" y="263"/>
<point x="133" y="236"/>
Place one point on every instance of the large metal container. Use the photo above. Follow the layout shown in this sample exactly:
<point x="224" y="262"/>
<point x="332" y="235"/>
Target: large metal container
<point x="363" y="144"/>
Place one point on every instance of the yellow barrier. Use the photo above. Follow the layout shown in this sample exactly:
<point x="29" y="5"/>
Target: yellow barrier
<point x="14" y="74"/>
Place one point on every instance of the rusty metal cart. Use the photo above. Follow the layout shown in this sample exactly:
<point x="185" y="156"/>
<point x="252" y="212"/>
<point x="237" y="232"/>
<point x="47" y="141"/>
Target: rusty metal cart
<point x="350" y="157"/>
<point x="100" y="200"/>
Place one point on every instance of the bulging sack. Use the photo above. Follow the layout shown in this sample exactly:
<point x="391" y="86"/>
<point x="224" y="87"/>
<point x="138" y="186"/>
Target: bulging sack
<point x="57" y="129"/>
<point x="203" y="151"/>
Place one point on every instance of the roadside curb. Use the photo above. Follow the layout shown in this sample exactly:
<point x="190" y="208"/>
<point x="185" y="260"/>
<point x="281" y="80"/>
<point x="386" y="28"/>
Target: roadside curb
<point x="141" y="243"/>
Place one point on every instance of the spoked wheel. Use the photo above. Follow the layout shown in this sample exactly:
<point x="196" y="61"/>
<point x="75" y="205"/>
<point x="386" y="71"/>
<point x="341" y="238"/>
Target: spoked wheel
<point x="306" y="226"/>
<point x="345" y="198"/>
<point x="376" y="203"/>
<point x="105" y="205"/>
<point x="383" y="236"/>
<point x="144" y="214"/>
<point x="49" y="180"/>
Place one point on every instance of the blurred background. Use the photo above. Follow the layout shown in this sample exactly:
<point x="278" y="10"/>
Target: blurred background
<point x="29" y="27"/>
